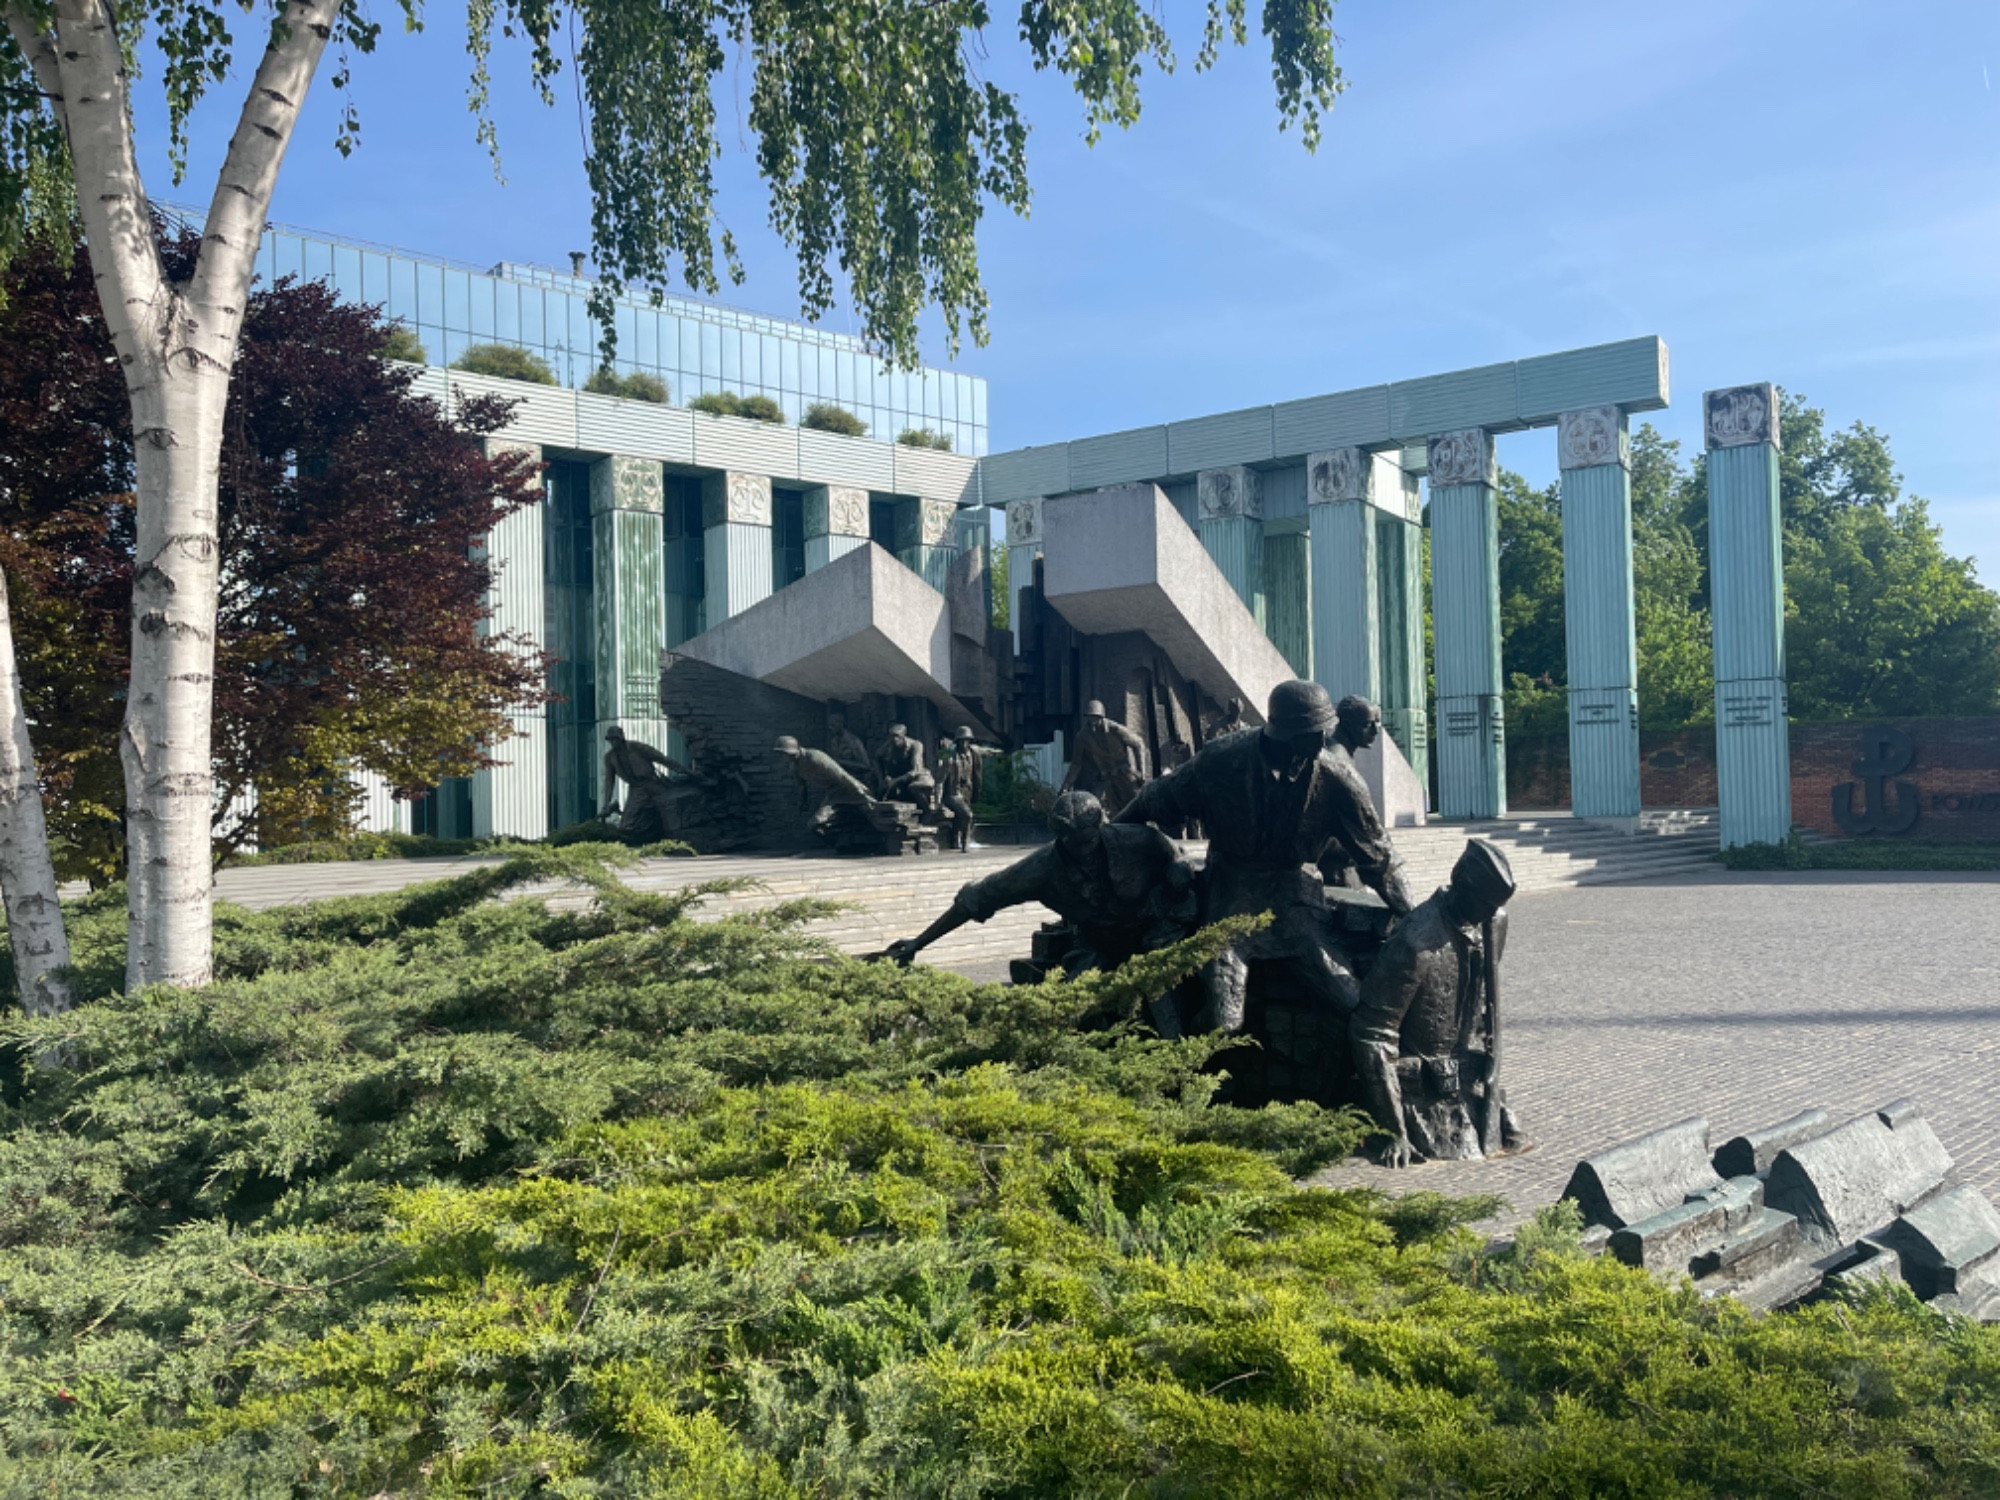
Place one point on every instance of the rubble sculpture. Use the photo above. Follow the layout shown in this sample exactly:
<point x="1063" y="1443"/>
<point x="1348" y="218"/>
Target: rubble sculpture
<point x="647" y="773"/>
<point x="1108" y="760"/>
<point x="958" y="782"/>
<point x="900" y="764"/>
<point x="845" y="746"/>
<point x="1120" y="889"/>
<point x="1426" y="1034"/>
<point x="1273" y="803"/>
<point x="1797" y="1210"/>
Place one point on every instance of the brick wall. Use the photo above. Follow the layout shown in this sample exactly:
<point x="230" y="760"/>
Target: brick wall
<point x="1954" y="767"/>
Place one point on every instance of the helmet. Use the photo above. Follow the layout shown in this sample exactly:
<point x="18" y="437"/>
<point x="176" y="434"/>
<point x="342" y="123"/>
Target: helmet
<point x="963" y="732"/>
<point x="786" y="745"/>
<point x="1483" y="873"/>
<point x="614" y="733"/>
<point x="899" y="729"/>
<point x="1075" y="811"/>
<point x="1093" y="709"/>
<point x="1298" y="708"/>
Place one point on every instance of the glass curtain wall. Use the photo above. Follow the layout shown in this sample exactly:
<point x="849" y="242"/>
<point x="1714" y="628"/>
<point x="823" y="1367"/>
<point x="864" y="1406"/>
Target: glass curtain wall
<point x="685" y="561"/>
<point x="569" y="636"/>
<point x="697" y="348"/>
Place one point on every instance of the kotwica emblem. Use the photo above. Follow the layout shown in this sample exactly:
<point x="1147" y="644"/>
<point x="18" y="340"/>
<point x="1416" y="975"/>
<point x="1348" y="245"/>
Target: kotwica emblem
<point x="1886" y="752"/>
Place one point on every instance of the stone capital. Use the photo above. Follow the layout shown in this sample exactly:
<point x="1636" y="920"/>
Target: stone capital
<point x="1740" y="416"/>
<point x="622" y="483"/>
<point x="1462" y="457"/>
<point x="1340" y="474"/>
<point x="836" y="510"/>
<point x="1592" y="437"/>
<point x="503" y="447"/>
<point x="1024" y="523"/>
<point x="735" y="498"/>
<point x="1224" y="494"/>
<point x="936" y="517"/>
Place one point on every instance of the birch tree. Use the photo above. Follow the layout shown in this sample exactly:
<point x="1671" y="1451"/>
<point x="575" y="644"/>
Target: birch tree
<point x="880" y="142"/>
<point x="27" y="875"/>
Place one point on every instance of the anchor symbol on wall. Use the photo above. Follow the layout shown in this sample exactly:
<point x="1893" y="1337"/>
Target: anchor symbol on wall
<point x="1886" y="751"/>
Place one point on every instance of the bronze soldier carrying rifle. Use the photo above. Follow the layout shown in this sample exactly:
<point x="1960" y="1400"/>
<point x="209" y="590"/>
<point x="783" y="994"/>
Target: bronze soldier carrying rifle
<point x="900" y="762"/>
<point x="958" y="783"/>
<point x="1275" y="802"/>
<point x="647" y="774"/>
<point x="1108" y="760"/>
<point x="824" y="788"/>
<point x="1124" y="889"/>
<point x="1426" y="1035"/>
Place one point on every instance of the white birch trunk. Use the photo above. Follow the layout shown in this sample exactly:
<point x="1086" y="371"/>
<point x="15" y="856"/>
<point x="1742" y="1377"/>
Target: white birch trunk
<point x="177" y="345"/>
<point x="27" y="874"/>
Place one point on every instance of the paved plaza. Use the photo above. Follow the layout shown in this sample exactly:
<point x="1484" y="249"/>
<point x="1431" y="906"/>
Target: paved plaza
<point x="1742" y="998"/>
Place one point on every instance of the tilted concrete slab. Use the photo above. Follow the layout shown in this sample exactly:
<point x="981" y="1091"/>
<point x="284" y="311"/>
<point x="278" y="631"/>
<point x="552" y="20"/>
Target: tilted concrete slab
<point x="862" y="624"/>
<point x="1123" y="559"/>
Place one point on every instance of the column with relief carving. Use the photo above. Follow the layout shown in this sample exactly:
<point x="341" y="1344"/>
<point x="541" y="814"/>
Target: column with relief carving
<point x="1595" y="454"/>
<point x="628" y="595"/>
<point x="1024" y="545"/>
<point x="1465" y="615"/>
<point x="926" y="543"/>
<point x="1747" y="597"/>
<point x="1229" y="519"/>
<point x="736" y="542"/>
<point x="511" y="798"/>
<point x="836" y="523"/>
<point x="1346" y="656"/>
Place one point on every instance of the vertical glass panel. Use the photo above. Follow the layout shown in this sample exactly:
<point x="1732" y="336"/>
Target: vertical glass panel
<point x="625" y="323"/>
<point x="646" y="347"/>
<point x="319" y="260"/>
<point x="582" y="332"/>
<point x="347" y="273"/>
<point x="736" y="357"/>
<point x="507" y="311"/>
<point x="431" y="336"/>
<point x="947" y="396"/>
<point x="979" y="402"/>
<point x="533" y="330"/>
<point x="808" y="373"/>
<point x="772" y="362"/>
<point x="479" y="303"/>
<point x="403" y="290"/>
<point x="711" y="349"/>
<point x="931" y="399"/>
<point x="455" y="344"/>
<point x="457" y="301"/>
<point x="374" y="278"/>
<point x="829" y="383"/>
<point x="788" y="364"/>
<point x="793" y="405"/>
<point x="430" y="294"/>
<point x="843" y="376"/>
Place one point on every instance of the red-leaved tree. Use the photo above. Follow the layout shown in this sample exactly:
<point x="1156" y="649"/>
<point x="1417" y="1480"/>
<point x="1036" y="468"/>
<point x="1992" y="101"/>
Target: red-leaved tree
<point x="352" y="615"/>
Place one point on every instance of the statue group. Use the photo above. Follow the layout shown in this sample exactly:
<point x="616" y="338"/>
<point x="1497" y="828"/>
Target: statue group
<point x="1358" y="993"/>
<point x="891" y="800"/>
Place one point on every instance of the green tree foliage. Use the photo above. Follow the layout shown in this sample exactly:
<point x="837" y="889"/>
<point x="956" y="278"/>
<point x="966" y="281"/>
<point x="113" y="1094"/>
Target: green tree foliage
<point x="924" y="437"/>
<point x="1533" y="648"/>
<point x="729" y="404"/>
<point x="637" y="386"/>
<point x="824" y="416"/>
<point x="433" y="1195"/>
<point x="505" y="362"/>
<point x="1676" y="658"/>
<point x="998" y="567"/>
<point x="400" y="342"/>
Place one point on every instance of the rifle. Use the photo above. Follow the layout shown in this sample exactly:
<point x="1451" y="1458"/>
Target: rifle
<point x="1490" y="1139"/>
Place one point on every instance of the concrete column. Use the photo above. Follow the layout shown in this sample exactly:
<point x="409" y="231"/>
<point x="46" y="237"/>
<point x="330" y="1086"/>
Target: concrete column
<point x="1595" y="454"/>
<point x="1753" y="769"/>
<point x="1465" y="613"/>
<point x="1399" y="601"/>
<point x="1229" y="511"/>
<point x="1024" y="545"/>
<point x="926" y="543"/>
<point x="512" y="799"/>
<point x="736" y="542"/>
<point x="836" y="523"/>
<point x="1288" y="592"/>
<point x="628" y="595"/>
<point x="1340" y="491"/>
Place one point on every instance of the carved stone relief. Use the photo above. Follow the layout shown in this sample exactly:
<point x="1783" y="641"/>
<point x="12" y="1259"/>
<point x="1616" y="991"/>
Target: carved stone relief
<point x="836" y="510"/>
<point x="1463" y="457"/>
<point x="622" y="483"/>
<point x="743" y="499"/>
<point x="1225" y="493"/>
<point x="938" y="516"/>
<point x="1591" y="437"/>
<point x="1024" y="523"/>
<point x="1742" y="415"/>
<point x="1340" y="474"/>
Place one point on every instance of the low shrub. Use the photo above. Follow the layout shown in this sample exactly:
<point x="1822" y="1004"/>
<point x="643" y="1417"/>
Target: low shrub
<point x="1865" y="854"/>
<point x="824" y="416"/>
<point x="431" y="1194"/>
<point x="924" y="437"/>
<point x="729" y="404"/>
<point x="637" y="386"/>
<point x="506" y="362"/>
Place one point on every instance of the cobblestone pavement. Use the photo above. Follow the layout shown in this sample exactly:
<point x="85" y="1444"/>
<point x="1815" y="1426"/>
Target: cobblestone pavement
<point x="1742" y="998"/>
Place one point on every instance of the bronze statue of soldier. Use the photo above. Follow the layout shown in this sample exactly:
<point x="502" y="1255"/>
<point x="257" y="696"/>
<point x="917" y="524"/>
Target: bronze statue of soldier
<point x="1357" y="726"/>
<point x="1274" y="803"/>
<point x="647" y="773"/>
<point x="1425" y="1036"/>
<point x="824" y="786"/>
<point x="845" y="746"/>
<point x="1108" y="760"/>
<point x="900" y="764"/>
<point x="1125" y="889"/>
<point x="958" y="784"/>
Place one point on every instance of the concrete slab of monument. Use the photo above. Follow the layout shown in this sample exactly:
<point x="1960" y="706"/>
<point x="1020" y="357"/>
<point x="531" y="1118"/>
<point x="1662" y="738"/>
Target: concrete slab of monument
<point x="1399" y="796"/>
<point x="862" y="624"/>
<point x="1123" y="559"/>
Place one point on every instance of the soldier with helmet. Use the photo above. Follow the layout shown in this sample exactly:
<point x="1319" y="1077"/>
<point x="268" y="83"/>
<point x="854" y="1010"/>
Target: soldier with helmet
<point x="1275" y="803"/>
<point x="901" y="764"/>
<point x="1124" y="888"/>
<point x="1423" y="1035"/>
<point x="958" y="779"/>
<point x="824" y="787"/>
<point x="1108" y="760"/>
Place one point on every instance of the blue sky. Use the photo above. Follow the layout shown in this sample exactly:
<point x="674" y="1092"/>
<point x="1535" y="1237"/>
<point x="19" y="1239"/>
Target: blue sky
<point x="1807" y="193"/>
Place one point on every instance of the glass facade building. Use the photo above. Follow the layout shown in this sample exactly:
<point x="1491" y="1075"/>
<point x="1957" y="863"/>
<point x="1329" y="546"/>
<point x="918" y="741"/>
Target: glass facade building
<point x="697" y="348"/>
